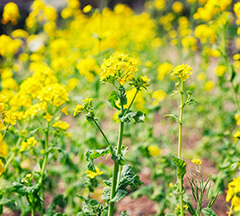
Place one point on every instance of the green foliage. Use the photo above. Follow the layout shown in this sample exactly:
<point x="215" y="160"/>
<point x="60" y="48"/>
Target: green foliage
<point x="128" y="178"/>
<point x="181" y="166"/>
<point x="208" y="212"/>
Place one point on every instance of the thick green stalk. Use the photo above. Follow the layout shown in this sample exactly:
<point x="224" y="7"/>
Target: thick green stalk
<point x="45" y="160"/>
<point x="180" y="146"/>
<point x="116" y="169"/>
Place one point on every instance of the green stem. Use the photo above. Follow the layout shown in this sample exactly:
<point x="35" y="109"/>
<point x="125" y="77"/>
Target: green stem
<point x="103" y="134"/>
<point x="33" y="210"/>
<point x="180" y="146"/>
<point x="116" y="169"/>
<point x="231" y="209"/>
<point x="45" y="160"/>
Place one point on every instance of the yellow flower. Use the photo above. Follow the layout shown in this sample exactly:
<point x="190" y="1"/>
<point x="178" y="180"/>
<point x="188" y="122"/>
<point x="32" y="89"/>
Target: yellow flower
<point x="201" y="76"/>
<point x="65" y="110"/>
<point x="237" y="118"/>
<point x="164" y="69"/>
<point x="197" y="162"/>
<point x="159" y="4"/>
<point x="87" y="8"/>
<point x="3" y="148"/>
<point x="118" y="67"/>
<point x="158" y="96"/>
<point x="88" y="67"/>
<point x="237" y="134"/>
<point x="31" y="142"/>
<point x="61" y="124"/>
<point x="10" y="13"/>
<point x="182" y="71"/>
<point x="19" y="33"/>
<point x="154" y="150"/>
<point x="232" y="193"/>
<point x="48" y="117"/>
<point x="92" y="175"/>
<point x="1" y="167"/>
<point x="87" y="100"/>
<point x="78" y="109"/>
<point x="208" y="86"/>
<point x="177" y="7"/>
<point x="220" y="70"/>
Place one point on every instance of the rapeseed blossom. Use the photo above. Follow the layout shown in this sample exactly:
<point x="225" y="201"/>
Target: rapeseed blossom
<point x="182" y="71"/>
<point x="31" y="142"/>
<point x="118" y="67"/>
<point x="86" y="107"/>
<point x="158" y="96"/>
<point x="92" y="175"/>
<point x="164" y="69"/>
<point x="1" y="167"/>
<point x="10" y="13"/>
<point x="197" y="162"/>
<point x="61" y="125"/>
<point x="232" y="193"/>
<point x="154" y="150"/>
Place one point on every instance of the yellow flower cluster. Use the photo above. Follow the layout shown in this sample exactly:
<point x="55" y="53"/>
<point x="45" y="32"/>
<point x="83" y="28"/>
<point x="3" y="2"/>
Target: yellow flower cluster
<point x="233" y="193"/>
<point x="61" y="125"/>
<point x="54" y="93"/>
<point x="154" y="150"/>
<point x="88" y="67"/>
<point x="164" y="69"/>
<point x="92" y="175"/>
<point x="42" y="13"/>
<point x="12" y="45"/>
<point x="1" y="167"/>
<point x="118" y="67"/>
<point x="197" y="162"/>
<point x="10" y="13"/>
<point x="31" y="142"/>
<point x="182" y="71"/>
<point x="211" y="8"/>
<point x="158" y="96"/>
<point x="3" y="147"/>
<point x="86" y="107"/>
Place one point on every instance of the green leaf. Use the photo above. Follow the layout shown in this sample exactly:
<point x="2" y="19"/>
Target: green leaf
<point x="124" y="213"/>
<point x="233" y="74"/>
<point x="57" y="201"/>
<point x="189" y="102"/>
<point x="190" y="208"/>
<point x="174" y="117"/>
<point x="128" y="178"/>
<point x="92" y="207"/>
<point x="174" y="92"/>
<point x="94" y="154"/>
<point x="5" y="201"/>
<point x="170" y="214"/>
<point x="181" y="166"/>
<point x="112" y="98"/>
<point x="119" y="159"/>
<point x="120" y="194"/>
<point x="208" y="212"/>
<point x="138" y="117"/>
<point x="25" y="190"/>
<point x="234" y="166"/>
<point x="106" y="194"/>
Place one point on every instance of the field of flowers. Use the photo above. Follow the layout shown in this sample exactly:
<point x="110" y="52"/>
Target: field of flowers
<point x="116" y="112"/>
